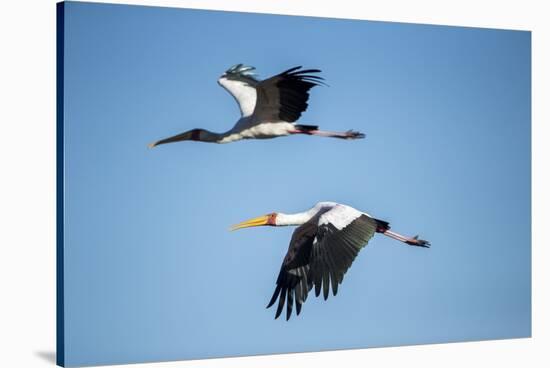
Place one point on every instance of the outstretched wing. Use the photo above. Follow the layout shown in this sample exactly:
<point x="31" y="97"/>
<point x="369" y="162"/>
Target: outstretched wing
<point x="293" y="282"/>
<point x="320" y="253"/>
<point x="343" y="231"/>
<point x="284" y="96"/>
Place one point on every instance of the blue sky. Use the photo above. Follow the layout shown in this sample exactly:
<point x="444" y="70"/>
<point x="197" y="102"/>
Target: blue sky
<point x="151" y="271"/>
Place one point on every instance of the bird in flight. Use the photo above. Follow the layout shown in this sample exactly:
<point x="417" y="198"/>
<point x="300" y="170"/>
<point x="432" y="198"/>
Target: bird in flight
<point x="322" y="248"/>
<point x="269" y="108"/>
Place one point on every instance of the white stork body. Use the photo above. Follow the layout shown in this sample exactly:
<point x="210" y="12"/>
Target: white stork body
<point x="269" y="108"/>
<point x="323" y="247"/>
<point x="246" y="128"/>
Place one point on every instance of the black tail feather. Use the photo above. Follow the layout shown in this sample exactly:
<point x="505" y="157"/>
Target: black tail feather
<point x="306" y="127"/>
<point x="382" y="226"/>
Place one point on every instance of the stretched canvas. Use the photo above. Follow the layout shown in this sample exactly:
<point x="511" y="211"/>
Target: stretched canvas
<point x="337" y="128"/>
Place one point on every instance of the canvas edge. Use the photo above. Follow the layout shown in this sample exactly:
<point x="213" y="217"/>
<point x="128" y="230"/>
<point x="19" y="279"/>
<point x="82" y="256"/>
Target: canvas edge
<point x="60" y="294"/>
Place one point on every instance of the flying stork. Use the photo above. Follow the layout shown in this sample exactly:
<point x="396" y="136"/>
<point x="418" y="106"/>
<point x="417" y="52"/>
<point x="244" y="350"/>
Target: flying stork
<point x="269" y="108"/>
<point x="322" y="248"/>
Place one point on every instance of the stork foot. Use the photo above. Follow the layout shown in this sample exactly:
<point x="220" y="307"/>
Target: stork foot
<point x="418" y="242"/>
<point x="352" y="134"/>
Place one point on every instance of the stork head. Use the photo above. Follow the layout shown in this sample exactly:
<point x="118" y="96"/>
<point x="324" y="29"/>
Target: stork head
<point x="195" y="134"/>
<point x="265" y="220"/>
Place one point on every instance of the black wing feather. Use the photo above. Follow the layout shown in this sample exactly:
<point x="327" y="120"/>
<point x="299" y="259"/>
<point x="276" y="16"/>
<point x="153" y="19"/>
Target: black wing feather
<point x="281" y="302"/>
<point x="344" y="246"/>
<point x="284" y="96"/>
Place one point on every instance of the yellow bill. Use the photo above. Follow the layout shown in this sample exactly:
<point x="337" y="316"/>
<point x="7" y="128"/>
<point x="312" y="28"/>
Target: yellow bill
<point x="257" y="221"/>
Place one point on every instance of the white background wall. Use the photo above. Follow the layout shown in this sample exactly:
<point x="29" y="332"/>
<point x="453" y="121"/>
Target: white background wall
<point x="27" y="181"/>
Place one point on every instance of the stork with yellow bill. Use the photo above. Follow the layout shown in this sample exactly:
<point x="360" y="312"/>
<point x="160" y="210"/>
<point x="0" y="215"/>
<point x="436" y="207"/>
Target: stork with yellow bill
<point x="328" y="238"/>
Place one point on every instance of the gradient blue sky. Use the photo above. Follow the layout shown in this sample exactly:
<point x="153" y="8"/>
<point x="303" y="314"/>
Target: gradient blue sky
<point x="151" y="272"/>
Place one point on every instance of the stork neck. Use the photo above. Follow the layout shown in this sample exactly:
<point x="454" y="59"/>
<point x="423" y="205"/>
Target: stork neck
<point x="300" y="218"/>
<point x="212" y="137"/>
<point x="284" y="219"/>
<point x="229" y="136"/>
<point x="208" y="136"/>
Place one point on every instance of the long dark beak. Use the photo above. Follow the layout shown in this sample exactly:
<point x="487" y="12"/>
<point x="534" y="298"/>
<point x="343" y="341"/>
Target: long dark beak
<point x="177" y="138"/>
